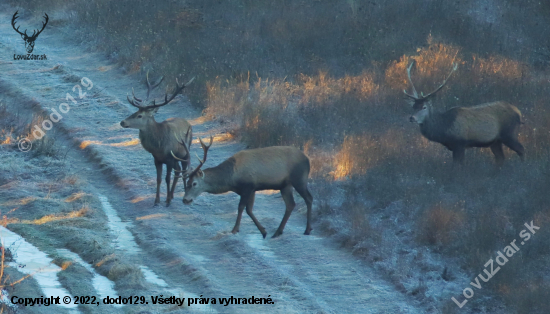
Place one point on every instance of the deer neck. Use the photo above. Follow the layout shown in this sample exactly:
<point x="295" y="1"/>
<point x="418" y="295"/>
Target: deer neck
<point x="152" y="136"/>
<point x="219" y="179"/>
<point x="434" y="126"/>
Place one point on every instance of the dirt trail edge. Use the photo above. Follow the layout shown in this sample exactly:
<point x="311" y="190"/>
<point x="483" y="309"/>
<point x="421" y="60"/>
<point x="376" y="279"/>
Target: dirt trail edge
<point x="189" y="247"/>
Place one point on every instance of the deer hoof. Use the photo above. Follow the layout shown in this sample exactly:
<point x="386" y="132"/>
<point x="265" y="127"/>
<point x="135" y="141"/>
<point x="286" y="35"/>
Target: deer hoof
<point x="277" y="233"/>
<point x="308" y="231"/>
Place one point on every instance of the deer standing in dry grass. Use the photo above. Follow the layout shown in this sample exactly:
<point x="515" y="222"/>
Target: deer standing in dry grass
<point x="487" y="125"/>
<point x="248" y="171"/>
<point x="160" y="139"/>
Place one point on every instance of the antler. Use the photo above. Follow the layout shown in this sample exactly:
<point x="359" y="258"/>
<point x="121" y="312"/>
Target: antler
<point x="150" y="86"/>
<point x="34" y="33"/>
<point x="13" y="24"/>
<point x="43" y="26"/>
<point x="201" y="162"/>
<point x="422" y="96"/>
<point x="205" y="148"/>
<point x="136" y="102"/>
<point x="187" y="153"/>
<point x="415" y="94"/>
<point x="177" y="90"/>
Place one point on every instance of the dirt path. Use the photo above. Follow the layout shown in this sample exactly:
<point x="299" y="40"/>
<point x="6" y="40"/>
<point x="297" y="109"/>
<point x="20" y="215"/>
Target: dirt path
<point x="189" y="247"/>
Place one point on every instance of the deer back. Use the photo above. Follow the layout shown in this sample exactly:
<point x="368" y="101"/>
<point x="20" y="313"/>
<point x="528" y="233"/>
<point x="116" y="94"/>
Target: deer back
<point x="269" y="166"/>
<point x="480" y="124"/>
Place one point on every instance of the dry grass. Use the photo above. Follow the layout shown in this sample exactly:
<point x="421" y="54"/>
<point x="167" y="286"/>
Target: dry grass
<point x="498" y="67"/>
<point x="107" y="258"/>
<point x="334" y="88"/>
<point x="431" y="65"/>
<point x="321" y="89"/>
<point x="359" y="153"/>
<point x="126" y="275"/>
<point x="75" y="196"/>
<point x="349" y="128"/>
<point x="71" y="180"/>
<point x="438" y="225"/>
<point x="48" y="218"/>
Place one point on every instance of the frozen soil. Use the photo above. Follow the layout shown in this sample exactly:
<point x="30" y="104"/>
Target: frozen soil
<point x="189" y="248"/>
<point x="89" y="163"/>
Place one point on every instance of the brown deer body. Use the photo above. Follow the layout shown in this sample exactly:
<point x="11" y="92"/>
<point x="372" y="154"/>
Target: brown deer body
<point x="270" y="168"/>
<point x="486" y="125"/>
<point x="160" y="139"/>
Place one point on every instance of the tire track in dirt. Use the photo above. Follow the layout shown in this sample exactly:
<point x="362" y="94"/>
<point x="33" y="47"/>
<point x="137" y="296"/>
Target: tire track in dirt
<point x="190" y="247"/>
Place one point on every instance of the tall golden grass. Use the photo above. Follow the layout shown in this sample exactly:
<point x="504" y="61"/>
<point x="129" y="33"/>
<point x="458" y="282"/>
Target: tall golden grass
<point x="261" y="105"/>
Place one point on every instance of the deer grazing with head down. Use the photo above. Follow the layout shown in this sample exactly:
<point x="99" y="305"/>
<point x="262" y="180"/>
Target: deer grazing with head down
<point x="270" y="168"/>
<point x="160" y="139"/>
<point x="487" y="125"/>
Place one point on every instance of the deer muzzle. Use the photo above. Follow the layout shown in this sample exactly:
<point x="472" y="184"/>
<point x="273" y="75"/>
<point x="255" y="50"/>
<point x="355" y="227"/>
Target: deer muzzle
<point x="187" y="202"/>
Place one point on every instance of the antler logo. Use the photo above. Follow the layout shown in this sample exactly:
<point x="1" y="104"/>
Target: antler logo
<point x="29" y="40"/>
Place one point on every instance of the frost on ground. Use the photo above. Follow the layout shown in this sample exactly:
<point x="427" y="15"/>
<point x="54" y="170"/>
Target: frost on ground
<point x="88" y="187"/>
<point x="188" y="248"/>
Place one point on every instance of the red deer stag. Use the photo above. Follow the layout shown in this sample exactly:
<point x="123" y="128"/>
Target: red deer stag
<point x="160" y="139"/>
<point x="487" y="125"/>
<point x="248" y="171"/>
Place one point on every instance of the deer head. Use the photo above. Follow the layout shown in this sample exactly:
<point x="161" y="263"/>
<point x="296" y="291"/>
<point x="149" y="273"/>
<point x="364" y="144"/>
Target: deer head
<point x="421" y="102"/>
<point x="145" y="114"/>
<point x="194" y="178"/>
<point x="29" y="40"/>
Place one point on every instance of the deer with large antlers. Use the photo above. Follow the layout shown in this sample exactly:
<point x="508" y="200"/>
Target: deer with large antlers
<point x="487" y="125"/>
<point x="160" y="139"/>
<point x="29" y="40"/>
<point x="270" y="168"/>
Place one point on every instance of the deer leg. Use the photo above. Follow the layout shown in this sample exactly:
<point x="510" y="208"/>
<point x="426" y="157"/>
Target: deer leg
<point x="176" y="177"/>
<point x="458" y="154"/>
<point x="249" y="205"/>
<point x="496" y="148"/>
<point x="158" y="165"/>
<point x="304" y="193"/>
<point x="286" y="192"/>
<point x="242" y="204"/>
<point x="516" y="146"/>
<point x="168" y="191"/>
